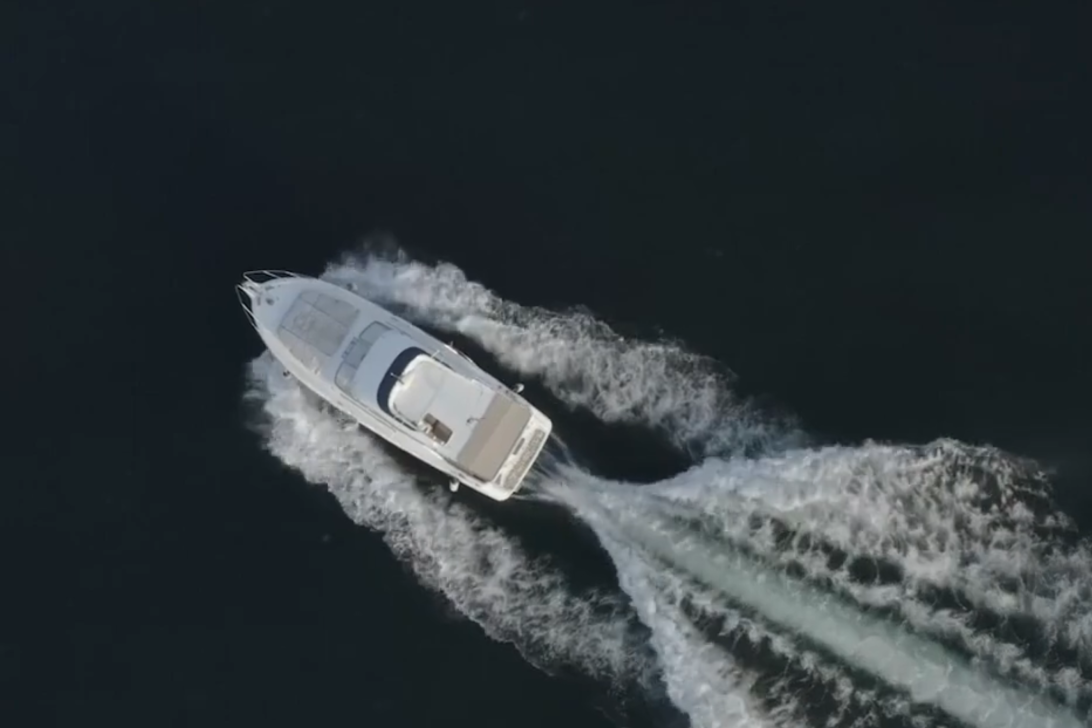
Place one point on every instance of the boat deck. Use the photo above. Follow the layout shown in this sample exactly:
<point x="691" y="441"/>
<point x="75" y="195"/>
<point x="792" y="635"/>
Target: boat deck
<point x="494" y="437"/>
<point x="377" y="368"/>
<point x="315" y="326"/>
<point x="472" y="425"/>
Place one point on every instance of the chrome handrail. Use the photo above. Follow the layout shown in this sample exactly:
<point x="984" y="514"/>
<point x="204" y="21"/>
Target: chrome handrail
<point x="245" y="301"/>
<point x="252" y="280"/>
<point x="265" y="275"/>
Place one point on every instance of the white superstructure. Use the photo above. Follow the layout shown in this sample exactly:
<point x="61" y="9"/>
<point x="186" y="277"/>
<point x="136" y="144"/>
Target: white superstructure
<point x="409" y="388"/>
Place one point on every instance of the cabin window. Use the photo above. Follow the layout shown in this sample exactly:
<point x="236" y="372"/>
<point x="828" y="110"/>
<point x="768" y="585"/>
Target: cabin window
<point x="363" y="343"/>
<point x="356" y="351"/>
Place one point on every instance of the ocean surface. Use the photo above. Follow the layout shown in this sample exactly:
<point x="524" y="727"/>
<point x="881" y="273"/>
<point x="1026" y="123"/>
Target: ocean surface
<point x="805" y="290"/>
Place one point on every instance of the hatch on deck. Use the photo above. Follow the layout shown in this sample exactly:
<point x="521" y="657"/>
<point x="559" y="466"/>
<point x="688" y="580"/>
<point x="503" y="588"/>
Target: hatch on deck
<point x="314" y="327"/>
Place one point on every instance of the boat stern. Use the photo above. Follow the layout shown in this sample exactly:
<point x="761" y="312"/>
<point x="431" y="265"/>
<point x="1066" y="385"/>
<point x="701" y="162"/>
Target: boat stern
<point x="513" y="471"/>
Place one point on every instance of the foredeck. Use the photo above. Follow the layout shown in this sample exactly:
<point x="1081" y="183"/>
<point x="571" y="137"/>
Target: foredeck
<point x="314" y="327"/>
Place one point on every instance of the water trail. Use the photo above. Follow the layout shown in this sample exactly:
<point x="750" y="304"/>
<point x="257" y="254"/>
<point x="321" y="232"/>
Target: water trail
<point x="702" y="680"/>
<point x="581" y="360"/>
<point x="702" y="676"/>
<point x="480" y="569"/>
<point x="669" y="600"/>
<point x="888" y="651"/>
<point x="954" y="520"/>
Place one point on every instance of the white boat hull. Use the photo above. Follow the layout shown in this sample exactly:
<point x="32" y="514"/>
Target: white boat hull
<point x="397" y="381"/>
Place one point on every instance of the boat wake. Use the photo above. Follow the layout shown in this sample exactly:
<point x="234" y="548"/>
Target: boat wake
<point x="769" y="585"/>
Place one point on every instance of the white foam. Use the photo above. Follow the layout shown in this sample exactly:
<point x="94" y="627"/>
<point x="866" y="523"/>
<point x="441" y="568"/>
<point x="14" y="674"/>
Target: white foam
<point x="581" y="360"/>
<point x="475" y="565"/>
<point x="701" y="678"/>
<point x="927" y="672"/>
<point x="649" y="583"/>
<point x="950" y="516"/>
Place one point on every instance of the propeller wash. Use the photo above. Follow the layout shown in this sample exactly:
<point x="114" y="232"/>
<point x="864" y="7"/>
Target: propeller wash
<point x="840" y="586"/>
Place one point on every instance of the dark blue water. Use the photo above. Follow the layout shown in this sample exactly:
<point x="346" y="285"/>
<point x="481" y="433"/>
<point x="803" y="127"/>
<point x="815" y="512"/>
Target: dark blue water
<point x="877" y="217"/>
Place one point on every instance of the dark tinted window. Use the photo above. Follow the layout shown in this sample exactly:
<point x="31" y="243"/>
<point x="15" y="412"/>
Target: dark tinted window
<point x="391" y="377"/>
